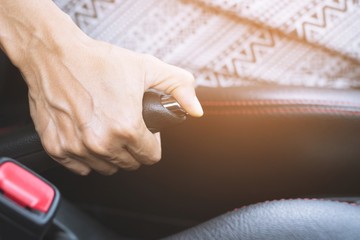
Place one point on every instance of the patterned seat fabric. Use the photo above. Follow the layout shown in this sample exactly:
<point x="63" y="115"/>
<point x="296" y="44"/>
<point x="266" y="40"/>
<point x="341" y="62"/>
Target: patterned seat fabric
<point x="236" y="42"/>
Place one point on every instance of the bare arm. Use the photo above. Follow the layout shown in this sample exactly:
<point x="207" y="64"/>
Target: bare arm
<point x="86" y="95"/>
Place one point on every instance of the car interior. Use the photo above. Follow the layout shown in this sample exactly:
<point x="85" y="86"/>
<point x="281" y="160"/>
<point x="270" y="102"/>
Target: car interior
<point x="265" y="162"/>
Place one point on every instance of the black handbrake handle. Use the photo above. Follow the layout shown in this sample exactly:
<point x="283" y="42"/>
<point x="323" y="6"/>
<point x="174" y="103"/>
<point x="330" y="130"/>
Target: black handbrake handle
<point x="159" y="112"/>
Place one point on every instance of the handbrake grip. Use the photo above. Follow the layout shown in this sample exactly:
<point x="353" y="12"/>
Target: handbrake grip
<point x="161" y="111"/>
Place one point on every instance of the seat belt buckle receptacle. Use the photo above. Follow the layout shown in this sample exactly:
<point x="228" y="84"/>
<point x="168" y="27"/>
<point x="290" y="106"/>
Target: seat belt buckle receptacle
<point x="28" y="203"/>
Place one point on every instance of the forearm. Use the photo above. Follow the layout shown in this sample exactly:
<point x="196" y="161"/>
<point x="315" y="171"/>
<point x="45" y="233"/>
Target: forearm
<point x="30" y="28"/>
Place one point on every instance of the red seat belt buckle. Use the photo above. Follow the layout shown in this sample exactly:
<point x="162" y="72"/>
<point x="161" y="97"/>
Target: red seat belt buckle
<point x="28" y="203"/>
<point x="24" y="188"/>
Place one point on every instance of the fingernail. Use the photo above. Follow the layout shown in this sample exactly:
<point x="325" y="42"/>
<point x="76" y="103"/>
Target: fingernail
<point x="198" y="111"/>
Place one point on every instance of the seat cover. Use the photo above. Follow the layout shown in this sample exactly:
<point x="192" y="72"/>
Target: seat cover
<point x="284" y="219"/>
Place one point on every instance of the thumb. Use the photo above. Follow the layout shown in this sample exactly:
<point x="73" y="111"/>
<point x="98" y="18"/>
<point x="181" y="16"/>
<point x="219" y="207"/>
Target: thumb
<point x="177" y="82"/>
<point x="187" y="99"/>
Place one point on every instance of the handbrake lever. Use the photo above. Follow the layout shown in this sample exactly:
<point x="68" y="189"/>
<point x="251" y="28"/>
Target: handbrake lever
<point x="159" y="112"/>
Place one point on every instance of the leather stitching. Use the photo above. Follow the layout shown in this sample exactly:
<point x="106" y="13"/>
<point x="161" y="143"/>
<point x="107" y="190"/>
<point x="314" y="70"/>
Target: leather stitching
<point x="279" y="102"/>
<point x="302" y="110"/>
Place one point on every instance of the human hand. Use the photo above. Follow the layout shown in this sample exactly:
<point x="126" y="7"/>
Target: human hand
<point x="86" y="104"/>
<point x="86" y="95"/>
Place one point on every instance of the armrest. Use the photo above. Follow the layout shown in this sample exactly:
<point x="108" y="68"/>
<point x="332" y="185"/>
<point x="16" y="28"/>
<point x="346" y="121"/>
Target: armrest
<point x="260" y="143"/>
<point x="281" y="101"/>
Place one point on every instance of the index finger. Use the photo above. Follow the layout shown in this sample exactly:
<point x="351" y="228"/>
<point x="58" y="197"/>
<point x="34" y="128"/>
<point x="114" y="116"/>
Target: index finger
<point x="146" y="148"/>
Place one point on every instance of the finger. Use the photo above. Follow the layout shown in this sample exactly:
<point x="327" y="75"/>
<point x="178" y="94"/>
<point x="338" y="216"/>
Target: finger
<point x="56" y="153"/>
<point x="125" y="161"/>
<point x="98" y="164"/>
<point x="158" y="137"/>
<point x="74" y="165"/>
<point x="177" y="82"/>
<point x="147" y="148"/>
<point x="113" y="161"/>
<point x="50" y="141"/>
<point x="71" y="145"/>
<point x="187" y="99"/>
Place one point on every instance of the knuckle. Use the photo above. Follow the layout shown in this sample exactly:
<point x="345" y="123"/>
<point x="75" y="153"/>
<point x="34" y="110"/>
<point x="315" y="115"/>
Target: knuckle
<point x="102" y="166"/>
<point x="129" y="131"/>
<point x="149" y="58"/>
<point x="154" y="157"/>
<point x="75" y="149"/>
<point x="126" y="165"/>
<point x="65" y="161"/>
<point x="54" y="150"/>
<point x="97" y="143"/>
<point x="102" y="143"/>
<point x="133" y="167"/>
<point x="188" y="77"/>
<point x="72" y="166"/>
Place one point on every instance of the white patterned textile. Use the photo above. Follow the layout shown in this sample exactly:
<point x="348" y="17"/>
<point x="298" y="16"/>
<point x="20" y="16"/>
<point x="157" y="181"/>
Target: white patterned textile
<point x="314" y="43"/>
